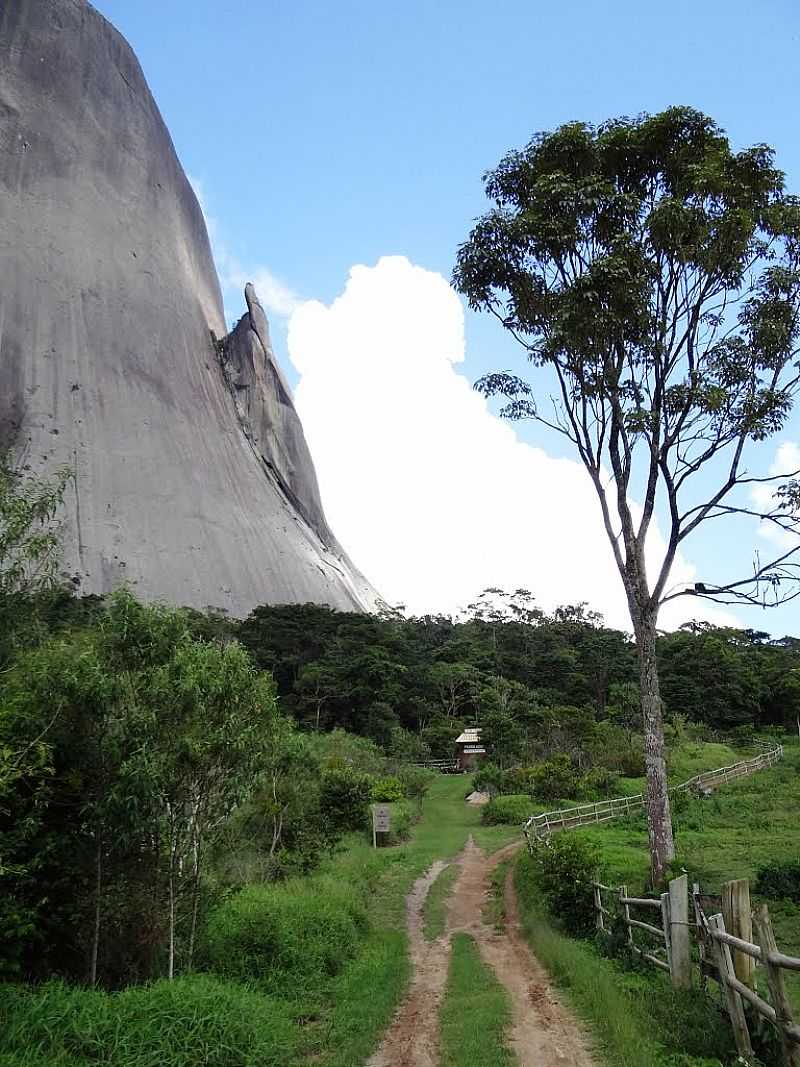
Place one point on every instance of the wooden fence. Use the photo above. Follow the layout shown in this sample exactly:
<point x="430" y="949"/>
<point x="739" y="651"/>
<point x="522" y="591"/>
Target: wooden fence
<point x="669" y="928"/>
<point x="445" y="766"/>
<point x="539" y="826"/>
<point x="723" y="953"/>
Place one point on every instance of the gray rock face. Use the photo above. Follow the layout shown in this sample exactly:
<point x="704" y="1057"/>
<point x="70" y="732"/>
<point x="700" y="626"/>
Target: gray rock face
<point x="193" y="480"/>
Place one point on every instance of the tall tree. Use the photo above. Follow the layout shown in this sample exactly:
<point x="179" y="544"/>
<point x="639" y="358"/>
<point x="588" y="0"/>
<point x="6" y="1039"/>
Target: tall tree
<point x="655" y="272"/>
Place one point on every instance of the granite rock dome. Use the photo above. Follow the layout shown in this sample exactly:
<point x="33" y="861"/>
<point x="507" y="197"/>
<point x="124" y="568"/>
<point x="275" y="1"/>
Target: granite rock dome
<point x="192" y="478"/>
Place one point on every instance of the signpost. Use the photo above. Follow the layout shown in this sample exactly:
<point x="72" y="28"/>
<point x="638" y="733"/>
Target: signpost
<point x="381" y="819"/>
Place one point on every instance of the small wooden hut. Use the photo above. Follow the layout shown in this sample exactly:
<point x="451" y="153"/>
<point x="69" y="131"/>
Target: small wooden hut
<point x="468" y="748"/>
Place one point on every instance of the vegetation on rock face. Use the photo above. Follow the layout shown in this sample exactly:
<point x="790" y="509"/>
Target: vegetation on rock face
<point x="656" y="274"/>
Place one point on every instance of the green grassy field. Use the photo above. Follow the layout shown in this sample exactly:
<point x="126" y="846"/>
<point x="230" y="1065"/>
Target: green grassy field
<point x="742" y="826"/>
<point x="338" y="1020"/>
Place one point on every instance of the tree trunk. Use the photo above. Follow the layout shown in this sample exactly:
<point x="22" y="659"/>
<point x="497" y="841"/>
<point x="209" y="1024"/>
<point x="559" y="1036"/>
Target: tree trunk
<point x="195" y="909"/>
<point x="659" y="822"/>
<point x="173" y="848"/>
<point x="196" y="832"/>
<point x="98" y="888"/>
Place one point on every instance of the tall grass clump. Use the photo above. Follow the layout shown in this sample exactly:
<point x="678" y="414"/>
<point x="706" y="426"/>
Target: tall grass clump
<point x="290" y="939"/>
<point x="192" y="1021"/>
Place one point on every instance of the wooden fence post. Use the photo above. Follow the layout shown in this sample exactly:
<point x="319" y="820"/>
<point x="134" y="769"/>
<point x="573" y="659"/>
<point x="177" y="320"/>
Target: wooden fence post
<point x="777" y="987"/>
<point x="598" y="905"/>
<point x="626" y="911"/>
<point x="722" y="958"/>
<point x="681" y="958"/>
<point x="666" y="923"/>
<point x="739" y="922"/>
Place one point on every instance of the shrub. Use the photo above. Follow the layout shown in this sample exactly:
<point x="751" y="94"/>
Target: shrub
<point x="344" y="798"/>
<point x="402" y="819"/>
<point x="599" y="783"/>
<point x="198" y="1019"/>
<point x="290" y="939"/>
<point x="386" y="790"/>
<point x="490" y="779"/>
<point x="521" y="780"/>
<point x="509" y="810"/>
<point x="780" y="881"/>
<point x="554" y="778"/>
<point x="562" y="868"/>
<point x="416" y="781"/>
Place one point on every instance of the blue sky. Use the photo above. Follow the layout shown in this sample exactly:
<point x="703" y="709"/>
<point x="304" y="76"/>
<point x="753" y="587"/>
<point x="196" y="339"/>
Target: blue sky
<point x="328" y="135"/>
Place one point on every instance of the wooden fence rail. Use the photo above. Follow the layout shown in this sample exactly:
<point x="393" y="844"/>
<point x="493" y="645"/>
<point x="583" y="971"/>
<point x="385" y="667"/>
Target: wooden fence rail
<point x="672" y="936"/>
<point x="539" y="826"/>
<point x="445" y="766"/>
<point x="734" y="962"/>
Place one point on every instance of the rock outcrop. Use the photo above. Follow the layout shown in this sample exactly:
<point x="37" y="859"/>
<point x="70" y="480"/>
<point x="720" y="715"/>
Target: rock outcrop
<point x="192" y="478"/>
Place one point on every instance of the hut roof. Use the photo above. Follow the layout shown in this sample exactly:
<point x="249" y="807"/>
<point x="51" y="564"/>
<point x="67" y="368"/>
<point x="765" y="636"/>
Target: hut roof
<point x="472" y="736"/>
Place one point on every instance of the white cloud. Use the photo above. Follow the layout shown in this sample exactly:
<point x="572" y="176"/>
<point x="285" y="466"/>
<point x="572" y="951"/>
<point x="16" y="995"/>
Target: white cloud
<point x="277" y="298"/>
<point x="434" y="497"/>
<point x="786" y="462"/>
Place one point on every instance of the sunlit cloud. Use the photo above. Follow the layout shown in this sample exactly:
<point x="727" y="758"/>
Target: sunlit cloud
<point x="433" y="496"/>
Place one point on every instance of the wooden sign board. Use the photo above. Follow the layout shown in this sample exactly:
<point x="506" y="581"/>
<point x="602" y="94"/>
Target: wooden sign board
<point x="381" y="821"/>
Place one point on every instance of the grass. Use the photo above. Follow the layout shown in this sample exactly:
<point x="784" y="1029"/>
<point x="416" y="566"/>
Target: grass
<point x="195" y="1020"/>
<point x="337" y="1021"/>
<point x="435" y="907"/>
<point x="494" y="910"/>
<point x="334" y="1020"/>
<point x="636" y="1015"/>
<point x="363" y="998"/>
<point x="637" y="1019"/>
<point x="741" y="827"/>
<point x="366" y="994"/>
<point x="475" y="1012"/>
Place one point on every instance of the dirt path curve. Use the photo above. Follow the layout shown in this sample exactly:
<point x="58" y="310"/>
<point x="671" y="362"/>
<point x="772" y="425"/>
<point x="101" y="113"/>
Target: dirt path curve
<point x="542" y="1032"/>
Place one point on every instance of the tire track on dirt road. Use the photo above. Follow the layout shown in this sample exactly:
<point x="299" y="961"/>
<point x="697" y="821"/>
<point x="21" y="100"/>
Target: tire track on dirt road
<point x="542" y="1032"/>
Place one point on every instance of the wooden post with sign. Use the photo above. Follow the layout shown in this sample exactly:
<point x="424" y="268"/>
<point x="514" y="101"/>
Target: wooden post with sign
<point x="381" y="821"/>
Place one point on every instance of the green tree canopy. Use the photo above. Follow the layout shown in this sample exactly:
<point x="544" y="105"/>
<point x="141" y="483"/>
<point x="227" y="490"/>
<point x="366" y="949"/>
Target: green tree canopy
<point x="655" y="272"/>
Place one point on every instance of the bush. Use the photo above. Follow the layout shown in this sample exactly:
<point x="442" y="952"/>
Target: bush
<point x="416" y="781"/>
<point x="599" y="784"/>
<point x="386" y="790"/>
<point x="781" y="881"/>
<point x="402" y="819"/>
<point x="198" y="1019"/>
<point x="344" y="798"/>
<point x="521" y="780"/>
<point x="510" y="810"/>
<point x="562" y="868"/>
<point x="490" y="779"/>
<point x="290" y="939"/>
<point x="554" y="778"/>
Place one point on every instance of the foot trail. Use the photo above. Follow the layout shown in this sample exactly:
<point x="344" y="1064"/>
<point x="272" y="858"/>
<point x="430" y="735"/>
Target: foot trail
<point x="542" y="1032"/>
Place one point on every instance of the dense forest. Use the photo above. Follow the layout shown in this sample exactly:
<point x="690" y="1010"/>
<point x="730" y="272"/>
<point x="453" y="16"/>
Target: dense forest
<point x="157" y="759"/>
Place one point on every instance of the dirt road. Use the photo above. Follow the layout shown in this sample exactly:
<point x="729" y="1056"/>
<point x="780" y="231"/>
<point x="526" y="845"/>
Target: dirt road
<point x="542" y="1032"/>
